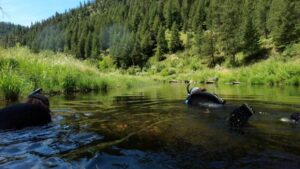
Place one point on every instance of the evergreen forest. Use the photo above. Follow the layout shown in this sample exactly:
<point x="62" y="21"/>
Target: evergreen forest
<point x="133" y="31"/>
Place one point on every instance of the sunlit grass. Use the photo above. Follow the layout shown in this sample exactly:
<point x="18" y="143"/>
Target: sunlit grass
<point x="280" y="69"/>
<point x="23" y="71"/>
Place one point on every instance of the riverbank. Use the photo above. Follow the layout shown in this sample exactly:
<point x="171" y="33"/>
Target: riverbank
<point x="21" y="71"/>
<point x="275" y="69"/>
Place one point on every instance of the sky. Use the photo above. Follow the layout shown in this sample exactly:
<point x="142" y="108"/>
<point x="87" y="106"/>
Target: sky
<point x="25" y="12"/>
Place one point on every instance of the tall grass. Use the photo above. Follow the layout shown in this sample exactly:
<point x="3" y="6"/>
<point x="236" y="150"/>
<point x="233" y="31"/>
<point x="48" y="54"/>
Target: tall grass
<point x="22" y="71"/>
<point x="277" y="70"/>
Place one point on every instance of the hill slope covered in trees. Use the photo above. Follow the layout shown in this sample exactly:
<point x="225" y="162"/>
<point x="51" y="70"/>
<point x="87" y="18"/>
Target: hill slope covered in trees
<point x="132" y="31"/>
<point x="10" y="34"/>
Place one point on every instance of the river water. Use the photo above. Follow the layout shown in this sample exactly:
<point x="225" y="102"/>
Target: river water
<point x="151" y="127"/>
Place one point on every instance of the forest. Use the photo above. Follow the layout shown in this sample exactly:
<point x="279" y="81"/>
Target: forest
<point x="131" y="32"/>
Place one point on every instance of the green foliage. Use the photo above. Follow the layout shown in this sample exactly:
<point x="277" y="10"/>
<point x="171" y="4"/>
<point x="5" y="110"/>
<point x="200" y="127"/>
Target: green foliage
<point x="162" y="46"/>
<point x="292" y="50"/>
<point x="132" y="31"/>
<point x="70" y="83"/>
<point x="22" y="71"/>
<point x="106" y="64"/>
<point x="121" y="46"/>
<point x="208" y="47"/>
<point x="262" y="13"/>
<point x="11" y="85"/>
<point x="283" y="22"/>
<point x="274" y="71"/>
<point x="175" y="43"/>
<point x="230" y="29"/>
<point x="250" y="35"/>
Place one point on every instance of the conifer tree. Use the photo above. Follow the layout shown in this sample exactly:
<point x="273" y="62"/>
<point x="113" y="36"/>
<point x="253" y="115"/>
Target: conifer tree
<point x="88" y="45"/>
<point x="230" y="28"/>
<point x="250" y="35"/>
<point x="199" y="15"/>
<point x="81" y="46"/>
<point x="199" y="40"/>
<point x="263" y="11"/>
<point x="208" y="47"/>
<point x="162" y="46"/>
<point x="175" y="42"/>
<point x="95" y="47"/>
<point x="283" y="22"/>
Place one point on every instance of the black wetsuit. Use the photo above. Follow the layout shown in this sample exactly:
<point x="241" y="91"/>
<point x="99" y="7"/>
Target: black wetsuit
<point x="23" y="115"/>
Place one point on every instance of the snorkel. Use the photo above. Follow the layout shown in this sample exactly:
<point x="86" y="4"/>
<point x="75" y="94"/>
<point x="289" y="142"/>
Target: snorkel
<point x="188" y="89"/>
<point x="35" y="92"/>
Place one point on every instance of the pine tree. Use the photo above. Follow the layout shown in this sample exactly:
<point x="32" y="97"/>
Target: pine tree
<point x="283" y="22"/>
<point x="199" y="17"/>
<point x="147" y="47"/>
<point x="250" y="38"/>
<point x="162" y="46"/>
<point x="263" y="10"/>
<point x="230" y="28"/>
<point x="209" y="46"/>
<point x="95" y="47"/>
<point x="185" y="9"/>
<point x="199" y="40"/>
<point x="172" y="13"/>
<point x="214" y="26"/>
<point x="88" y="46"/>
<point x="81" y="46"/>
<point x="189" y="40"/>
<point x="175" y="42"/>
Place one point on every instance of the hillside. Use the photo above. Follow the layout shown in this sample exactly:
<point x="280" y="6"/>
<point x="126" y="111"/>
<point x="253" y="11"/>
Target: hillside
<point x="132" y="31"/>
<point x="10" y="34"/>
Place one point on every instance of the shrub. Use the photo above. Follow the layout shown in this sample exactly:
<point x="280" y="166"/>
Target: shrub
<point x="11" y="85"/>
<point x="70" y="83"/>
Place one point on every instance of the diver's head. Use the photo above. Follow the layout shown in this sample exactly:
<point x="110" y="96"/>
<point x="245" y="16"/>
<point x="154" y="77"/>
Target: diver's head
<point x="36" y="98"/>
<point x="39" y="99"/>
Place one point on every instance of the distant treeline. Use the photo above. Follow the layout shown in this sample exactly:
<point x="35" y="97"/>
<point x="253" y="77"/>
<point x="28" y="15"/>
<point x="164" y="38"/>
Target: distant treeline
<point x="132" y="31"/>
<point x="11" y="34"/>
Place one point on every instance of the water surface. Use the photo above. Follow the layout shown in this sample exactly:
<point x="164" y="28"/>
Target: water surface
<point x="151" y="127"/>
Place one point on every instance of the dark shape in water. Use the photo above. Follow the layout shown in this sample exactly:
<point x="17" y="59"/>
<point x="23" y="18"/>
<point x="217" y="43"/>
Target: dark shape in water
<point x="240" y="116"/>
<point x="35" y="112"/>
<point x="199" y="96"/>
<point x="295" y="117"/>
<point x="202" y="98"/>
<point x="23" y="115"/>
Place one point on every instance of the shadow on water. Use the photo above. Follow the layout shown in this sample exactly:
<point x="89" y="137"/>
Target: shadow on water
<point x="152" y="128"/>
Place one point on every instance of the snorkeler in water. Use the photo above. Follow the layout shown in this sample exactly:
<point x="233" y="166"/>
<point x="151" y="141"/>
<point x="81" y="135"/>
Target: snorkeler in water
<point x="34" y="112"/>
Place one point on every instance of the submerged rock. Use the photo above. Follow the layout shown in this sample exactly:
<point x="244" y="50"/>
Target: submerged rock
<point x="295" y="117"/>
<point x="240" y="116"/>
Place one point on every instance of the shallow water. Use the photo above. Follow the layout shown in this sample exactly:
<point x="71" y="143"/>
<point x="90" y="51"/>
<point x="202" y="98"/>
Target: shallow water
<point x="151" y="127"/>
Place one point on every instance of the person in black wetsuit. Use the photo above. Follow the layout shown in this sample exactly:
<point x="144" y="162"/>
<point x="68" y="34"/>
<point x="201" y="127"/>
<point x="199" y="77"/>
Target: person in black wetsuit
<point x="34" y="112"/>
<point x="198" y="96"/>
<point x="238" y="118"/>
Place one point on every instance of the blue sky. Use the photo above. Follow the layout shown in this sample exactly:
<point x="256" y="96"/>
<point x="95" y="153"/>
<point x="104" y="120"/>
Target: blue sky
<point x="25" y="12"/>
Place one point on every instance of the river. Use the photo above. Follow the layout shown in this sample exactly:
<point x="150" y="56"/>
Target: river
<point x="151" y="127"/>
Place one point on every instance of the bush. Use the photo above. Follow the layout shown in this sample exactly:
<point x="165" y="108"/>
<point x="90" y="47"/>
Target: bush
<point x="70" y="83"/>
<point x="106" y="64"/>
<point x="292" y="50"/>
<point x="11" y="85"/>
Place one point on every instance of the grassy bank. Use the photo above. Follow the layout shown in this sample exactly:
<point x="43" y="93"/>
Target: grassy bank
<point x="275" y="69"/>
<point x="21" y="71"/>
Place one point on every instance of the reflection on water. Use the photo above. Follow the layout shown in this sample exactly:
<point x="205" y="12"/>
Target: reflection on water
<point x="152" y="128"/>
